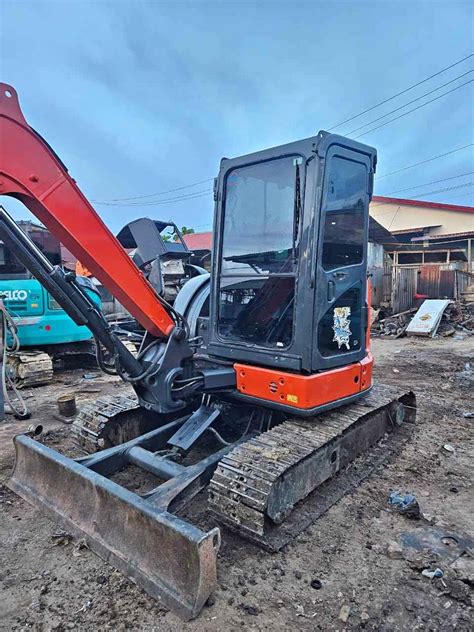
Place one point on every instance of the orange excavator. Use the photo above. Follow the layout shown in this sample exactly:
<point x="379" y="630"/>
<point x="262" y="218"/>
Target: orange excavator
<point x="254" y="387"/>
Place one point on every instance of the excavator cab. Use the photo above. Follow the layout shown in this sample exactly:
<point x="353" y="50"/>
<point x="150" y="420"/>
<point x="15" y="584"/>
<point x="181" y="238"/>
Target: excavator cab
<point x="288" y="284"/>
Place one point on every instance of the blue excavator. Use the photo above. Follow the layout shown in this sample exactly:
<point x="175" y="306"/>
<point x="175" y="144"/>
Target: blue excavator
<point x="44" y="332"/>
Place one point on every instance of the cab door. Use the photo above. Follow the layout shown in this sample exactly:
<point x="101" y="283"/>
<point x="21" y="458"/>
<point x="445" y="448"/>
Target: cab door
<point x="340" y="313"/>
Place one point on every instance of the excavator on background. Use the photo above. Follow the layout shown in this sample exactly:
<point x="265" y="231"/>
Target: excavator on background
<point x="256" y="384"/>
<point x="44" y="331"/>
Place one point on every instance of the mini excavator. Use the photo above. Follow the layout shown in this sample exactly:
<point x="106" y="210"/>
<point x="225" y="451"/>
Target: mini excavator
<point x="254" y="388"/>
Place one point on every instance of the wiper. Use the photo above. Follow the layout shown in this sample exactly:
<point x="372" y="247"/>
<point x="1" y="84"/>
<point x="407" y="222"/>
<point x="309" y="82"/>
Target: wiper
<point x="296" y="208"/>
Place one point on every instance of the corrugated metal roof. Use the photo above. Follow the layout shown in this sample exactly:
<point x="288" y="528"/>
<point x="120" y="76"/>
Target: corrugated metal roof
<point x="198" y="241"/>
<point x="379" y="233"/>
<point x="419" y="229"/>
<point x="463" y="235"/>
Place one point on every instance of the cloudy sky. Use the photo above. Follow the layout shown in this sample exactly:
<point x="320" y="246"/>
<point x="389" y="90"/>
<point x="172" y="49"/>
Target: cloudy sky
<point x="140" y="97"/>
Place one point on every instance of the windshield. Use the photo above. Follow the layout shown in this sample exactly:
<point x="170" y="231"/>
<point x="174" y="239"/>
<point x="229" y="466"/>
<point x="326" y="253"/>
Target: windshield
<point x="9" y="264"/>
<point x="257" y="282"/>
<point x="259" y="215"/>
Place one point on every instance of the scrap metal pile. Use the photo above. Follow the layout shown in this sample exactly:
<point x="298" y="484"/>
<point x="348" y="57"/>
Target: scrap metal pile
<point x="457" y="318"/>
<point x="393" y="325"/>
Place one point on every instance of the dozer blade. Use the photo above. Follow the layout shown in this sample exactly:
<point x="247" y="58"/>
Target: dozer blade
<point x="172" y="560"/>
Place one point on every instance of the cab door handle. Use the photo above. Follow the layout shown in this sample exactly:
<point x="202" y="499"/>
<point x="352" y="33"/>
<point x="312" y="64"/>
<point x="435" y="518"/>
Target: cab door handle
<point x="331" y="291"/>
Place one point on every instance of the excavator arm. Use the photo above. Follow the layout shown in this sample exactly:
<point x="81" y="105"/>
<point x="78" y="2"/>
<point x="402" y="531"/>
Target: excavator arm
<point x="163" y="374"/>
<point x="31" y="172"/>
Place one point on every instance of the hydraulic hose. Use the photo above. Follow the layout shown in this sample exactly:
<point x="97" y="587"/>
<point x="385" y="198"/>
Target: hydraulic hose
<point x="19" y="409"/>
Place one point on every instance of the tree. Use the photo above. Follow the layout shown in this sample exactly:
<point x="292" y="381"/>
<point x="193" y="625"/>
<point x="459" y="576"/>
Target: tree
<point x="171" y="235"/>
<point x="187" y="231"/>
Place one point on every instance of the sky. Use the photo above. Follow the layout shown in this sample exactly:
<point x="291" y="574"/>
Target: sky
<point x="143" y="97"/>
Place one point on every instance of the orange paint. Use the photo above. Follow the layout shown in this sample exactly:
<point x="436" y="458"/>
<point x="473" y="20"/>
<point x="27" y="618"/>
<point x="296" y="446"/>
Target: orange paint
<point x="369" y="305"/>
<point x="304" y="392"/>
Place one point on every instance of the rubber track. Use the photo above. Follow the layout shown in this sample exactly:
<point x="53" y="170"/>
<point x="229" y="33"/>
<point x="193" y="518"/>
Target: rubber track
<point x="30" y="368"/>
<point x="240" y="488"/>
<point x="90" y="426"/>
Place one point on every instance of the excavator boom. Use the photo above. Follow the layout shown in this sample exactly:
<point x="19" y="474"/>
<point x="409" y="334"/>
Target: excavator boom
<point x="31" y="172"/>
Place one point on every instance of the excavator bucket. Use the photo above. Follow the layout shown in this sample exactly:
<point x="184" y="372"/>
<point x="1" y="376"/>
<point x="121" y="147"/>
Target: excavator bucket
<point x="172" y="560"/>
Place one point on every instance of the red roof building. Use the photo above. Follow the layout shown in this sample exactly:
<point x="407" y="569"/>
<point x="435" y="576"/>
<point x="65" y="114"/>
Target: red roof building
<point x="198" y="241"/>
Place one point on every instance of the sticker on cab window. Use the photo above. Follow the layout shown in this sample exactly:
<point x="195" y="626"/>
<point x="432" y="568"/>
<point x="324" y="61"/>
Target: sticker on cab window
<point x="341" y="326"/>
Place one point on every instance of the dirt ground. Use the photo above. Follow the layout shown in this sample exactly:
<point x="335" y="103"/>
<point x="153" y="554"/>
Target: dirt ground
<point x="364" y="577"/>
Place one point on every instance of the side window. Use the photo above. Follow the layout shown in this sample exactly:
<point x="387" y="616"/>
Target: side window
<point x="53" y="303"/>
<point x="345" y="214"/>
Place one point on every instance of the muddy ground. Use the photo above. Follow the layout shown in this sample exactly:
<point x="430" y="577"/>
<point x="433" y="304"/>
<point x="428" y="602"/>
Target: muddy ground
<point x="349" y="570"/>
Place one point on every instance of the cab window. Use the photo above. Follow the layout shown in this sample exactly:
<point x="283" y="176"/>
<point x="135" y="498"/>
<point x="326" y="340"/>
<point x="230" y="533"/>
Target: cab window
<point x="345" y="214"/>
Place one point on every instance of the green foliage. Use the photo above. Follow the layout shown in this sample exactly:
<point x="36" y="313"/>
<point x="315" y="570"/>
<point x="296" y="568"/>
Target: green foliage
<point x="187" y="231"/>
<point x="171" y="235"/>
